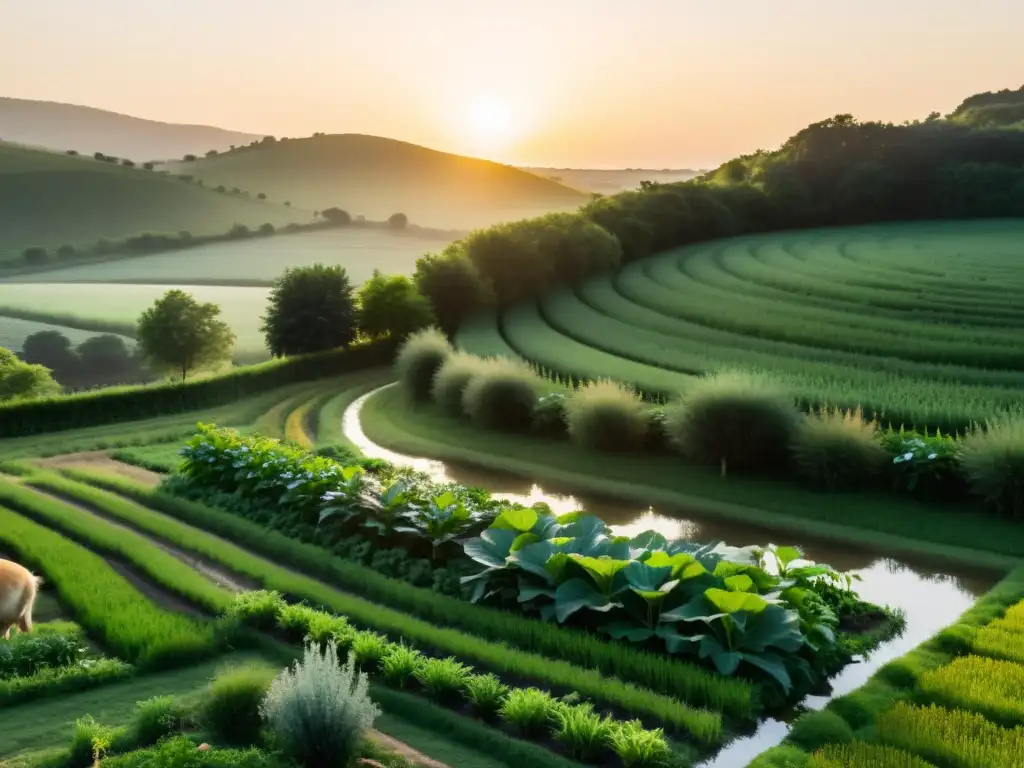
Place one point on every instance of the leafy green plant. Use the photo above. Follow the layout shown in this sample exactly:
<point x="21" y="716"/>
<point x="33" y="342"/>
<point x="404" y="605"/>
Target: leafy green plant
<point x="814" y="730"/>
<point x="419" y="358"/>
<point x="181" y="752"/>
<point x="734" y="421"/>
<point x="485" y="693"/>
<point x="924" y="465"/>
<point x="90" y="739"/>
<point x="156" y="718"/>
<point x="399" y="664"/>
<point x="368" y="648"/>
<point x="606" y="416"/>
<point x="25" y="655"/>
<point x="231" y="705"/>
<point x="443" y="679"/>
<point x="318" y="710"/>
<point x="502" y="396"/>
<point x="861" y="753"/>
<point x="549" y="415"/>
<point x="529" y="710"/>
<point x="451" y="381"/>
<point x="993" y="461"/>
<point x="258" y="608"/>
<point x="638" y="747"/>
<point x="991" y="687"/>
<point x="838" y="450"/>
<point x="581" y="730"/>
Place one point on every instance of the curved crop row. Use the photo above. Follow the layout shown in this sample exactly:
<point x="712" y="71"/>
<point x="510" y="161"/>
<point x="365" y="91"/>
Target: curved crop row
<point x="920" y="324"/>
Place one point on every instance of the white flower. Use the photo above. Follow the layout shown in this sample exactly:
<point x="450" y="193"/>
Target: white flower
<point x="908" y="456"/>
<point x="294" y="484"/>
<point x="933" y="455"/>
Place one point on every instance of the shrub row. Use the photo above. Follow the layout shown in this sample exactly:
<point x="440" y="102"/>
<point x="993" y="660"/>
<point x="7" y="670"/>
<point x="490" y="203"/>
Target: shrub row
<point x="737" y="698"/>
<point x="584" y="733"/>
<point x="991" y="687"/>
<point x="494" y="654"/>
<point x="114" y="405"/>
<point x="731" y="420"/>
<point x="951" y="737"/>
<point x="51" y="681"/>
<point x="105" y="603"/>
<point x="25" y="655"/>
<point x="101" y="536"/>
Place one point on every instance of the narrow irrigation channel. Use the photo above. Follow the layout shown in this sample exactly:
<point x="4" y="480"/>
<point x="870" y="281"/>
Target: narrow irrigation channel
<point x="931" y="596"/>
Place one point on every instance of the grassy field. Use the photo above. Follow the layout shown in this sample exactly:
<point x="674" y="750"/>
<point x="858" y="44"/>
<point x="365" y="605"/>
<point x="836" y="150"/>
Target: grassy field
<point x="359" y="250"/>
<point x="918" y="323"/>
<point x="51" y="199"/>
<point x="241" y="307"/>
<point x="377" y="177"/>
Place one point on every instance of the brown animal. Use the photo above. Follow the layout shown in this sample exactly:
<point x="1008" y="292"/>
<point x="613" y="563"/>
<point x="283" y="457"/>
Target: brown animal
<point x="18" y="589"/>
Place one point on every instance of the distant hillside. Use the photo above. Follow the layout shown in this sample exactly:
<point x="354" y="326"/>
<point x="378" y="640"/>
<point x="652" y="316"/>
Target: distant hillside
<point x="994" y="109"/>
<point x="376" y="177"/>
<point x="611" y="181"/>
<point x="59" y="126"/>
<point x="50" y="199"/>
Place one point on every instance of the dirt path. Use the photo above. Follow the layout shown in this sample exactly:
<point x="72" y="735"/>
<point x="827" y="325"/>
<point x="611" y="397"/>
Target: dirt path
<point x="403" y="749"/>
<point x="101" y="461"/>
<point x="217" y="575"/>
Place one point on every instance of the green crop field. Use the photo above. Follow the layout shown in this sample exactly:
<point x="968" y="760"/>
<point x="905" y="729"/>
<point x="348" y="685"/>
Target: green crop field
<point x="241" y="307"/>
<point x="359" y="250"/>
<point x="918" y="323"/>
<point x="50" y="199"/>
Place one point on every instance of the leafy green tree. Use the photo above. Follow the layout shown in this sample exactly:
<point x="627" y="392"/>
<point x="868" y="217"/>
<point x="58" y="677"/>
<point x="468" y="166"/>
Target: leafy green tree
<point x="266" y="229"/>
<point x="261" y="196"/>
<point x="106" y="360"/>
<point x="392" y="306"/>
<point x="52" y="349"/>
<point x="398" y="221"/>
<point x="336" y="215"/>
<point x="66" y="252"/>
<point x="128" y="163"/>
<point x="190" y="158"/>
<point x="179" y="333"/>
<point x="310" y="309"/>
<point x="148" y="166"/>
<point x="453" y="286"/>
<point x="19" y="379"/>
<point x="35" y="254"/>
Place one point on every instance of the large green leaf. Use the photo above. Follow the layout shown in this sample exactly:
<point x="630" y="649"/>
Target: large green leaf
<point x="786" y="555"/>
<point x="557" y="564"/>
<point x="725" y="661"/>
<point x="626" y="630"/>
<point x="522" y="540"/>
<point x="773" y="627"/>
<point x="575" y="594"/>
<point x="677" y="643"/>
<point x="491" y="548"/>
<point x="531" y="590"/>
<point x="520" y="520"/>
<point x="734" y="602"/>
<point x="601" y="569"/>
<point x="534" y="559"/>
<point x="774" y="665"/>
<point x="645" y="577"/>
<point x="649" y="540"/>
<point x="697" y="609"/>
<point x="446" y="499"/>
<point x="739" y="583"/>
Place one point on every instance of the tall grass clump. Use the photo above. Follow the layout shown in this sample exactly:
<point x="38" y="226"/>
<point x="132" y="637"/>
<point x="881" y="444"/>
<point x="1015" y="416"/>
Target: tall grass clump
<point x="838" y="450"/>
<point x="733" y="420"/>
<point x="502" y="396"/>
<point x="606" y="416"/>
<point x="231" y="706"/>
<point x="451" y="381"/>
<point x="982" y="685"/>
<point x="993" y="461"/>
<point x="861" y="753"/>
<point x="156" y="718"/>
<point x="418" y="360"/>
<point x="953" y="737"/>
<point x="319" y="712"/>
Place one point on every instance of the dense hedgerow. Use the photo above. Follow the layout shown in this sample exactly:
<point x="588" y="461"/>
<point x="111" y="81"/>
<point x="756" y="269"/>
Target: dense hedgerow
<point x="451" y="381"/>
<point x="117" y="404"/>
<point x="988" y="686"/>
<point x="607" y="416"/>
<point x="419" y="358"/>
<point x="735" y="421"/>
<point x="51" y="681"/>
<point x="502" y="396"/>
<point x="181" y="752"/>
<point x="993" y="461"/>
<point x="838" y="450"/>
<point x="816" y="729"/>
<point x="105" y="603"/>
<point x="231" y="705"/>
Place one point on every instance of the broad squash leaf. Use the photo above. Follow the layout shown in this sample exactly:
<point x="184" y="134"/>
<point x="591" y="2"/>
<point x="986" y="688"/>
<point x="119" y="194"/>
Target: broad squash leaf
<point x="725" y="661"/>
<point x="601" y="569"/>
<point x="677" y="643"/>
<point x="491" y="547"/>
<point x="520" y="520"/>
<point x="649" y="540"/>
<point x="734" y="602"/>
<point x="534" y="559"/>
<point x="739" y="583"/>
<point x="786" y="555"/>
<point x="625" y="630"/>
<point x="643" y="577"/>
<point x="773" y="627"/>
<point x="522" y="540"/>
<point x="575" y="594"/>
<point x="774" y="665"/>
<point x="556" y="565"/>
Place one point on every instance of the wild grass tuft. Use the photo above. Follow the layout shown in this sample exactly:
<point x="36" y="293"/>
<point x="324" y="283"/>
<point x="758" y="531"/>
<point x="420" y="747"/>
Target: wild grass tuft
<point x="443" y="679"/>
<point x="319" y="711"/>
<point x="860" y="754"/>
<point x="399" y="664"/>
<point x="988" y="686"/>
<point x="486" y="694"/>
<point x="993" y="461"/>
<point x="816" y="729"/>
<point x="258" y="608"/>
<point x="418" y="360"/>
<point x="451" y="381"/>
<point x="231" y="705"/>
<point x="607" y="416"/>
<point x="529" y="710"/>
<point x="735" y="421"/>
<point x="502" y="396"/>
<point x="368" y="648"/>
<point x="638" y="747"/>
<point x="583" y="732"/>
<point x="838" y="450"/>
<point x="156" y="718"/>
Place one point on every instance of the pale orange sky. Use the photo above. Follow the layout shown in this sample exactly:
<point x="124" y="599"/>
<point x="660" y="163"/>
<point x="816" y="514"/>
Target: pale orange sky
<point x="581" y="83"/>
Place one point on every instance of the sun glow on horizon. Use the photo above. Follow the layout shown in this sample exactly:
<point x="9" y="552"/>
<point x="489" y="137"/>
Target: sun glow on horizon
<point x="492" y="124"/>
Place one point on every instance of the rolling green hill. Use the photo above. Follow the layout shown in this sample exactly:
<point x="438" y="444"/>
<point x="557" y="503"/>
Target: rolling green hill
<point x="87" y="129"/>
<point x="50" y="199"/>
<point x="377" y="177"/>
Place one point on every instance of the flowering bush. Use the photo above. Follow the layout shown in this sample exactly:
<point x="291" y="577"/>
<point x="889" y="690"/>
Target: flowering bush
<point x="925" y="465"/>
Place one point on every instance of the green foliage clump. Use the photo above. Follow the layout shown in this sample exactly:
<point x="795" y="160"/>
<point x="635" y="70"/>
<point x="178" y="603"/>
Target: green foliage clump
<point x="392" y="306"/>
<point x="486" y="694"/>
<point x="399" y="664"/>
<point x="368" y="648"/>
<point x="418" y="360"/>
<point x="607" y="416"/>
<point x="837" y="450"/>
<point x="638" y="747"/>
<point x="989" y="686"/>
<point x="860" y="754"/>
<point x="182" y="752"/>
<point x="181" y="334"/>
<point x="502" y="396"/>
<point x="454" y="287"/>
<point x="319" y="710"/>
<point x="310" y="309"/>
<point x="733" y="420"/>
<point x="25" y="655"/>
<point x="443" y="679"/>
<point x="231" y="705"/>
<point x="529" y="710"/>
<point x="258" y="608"/>
<point x="816" y="729"/>
<point x="21" y="380"/>
<point x="583" y="732"/>
<point x="993" y="460"/>
<point x="451" y="380"/>
<point x="156" y="718"/>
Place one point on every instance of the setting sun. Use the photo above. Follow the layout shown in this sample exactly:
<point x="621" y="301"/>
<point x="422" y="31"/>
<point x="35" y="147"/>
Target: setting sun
<point x="492" y="123"/>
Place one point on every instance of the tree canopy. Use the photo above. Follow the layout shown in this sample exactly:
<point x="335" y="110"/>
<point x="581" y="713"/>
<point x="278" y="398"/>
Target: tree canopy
<point x="20" y="379"/>
<point x="310" y="310"/>
<point x="392" y="306"/>
<point x="181" y="334"/>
